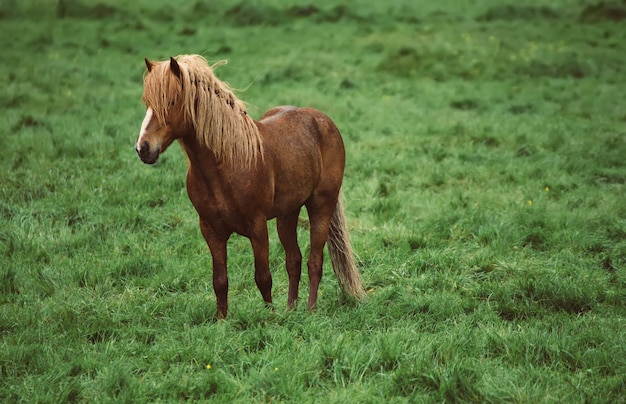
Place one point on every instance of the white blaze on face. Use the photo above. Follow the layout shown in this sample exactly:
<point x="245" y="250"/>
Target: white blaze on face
<point x="144" y="125"/>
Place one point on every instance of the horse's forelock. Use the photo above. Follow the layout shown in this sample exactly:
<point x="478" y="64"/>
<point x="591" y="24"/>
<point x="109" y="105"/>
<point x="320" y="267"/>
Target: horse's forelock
<point x="161" y="87"/>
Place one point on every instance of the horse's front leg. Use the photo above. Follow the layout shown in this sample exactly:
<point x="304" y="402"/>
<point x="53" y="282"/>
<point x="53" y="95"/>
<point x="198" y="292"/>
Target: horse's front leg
<point x="217" y="246"/>
<point x="260" y="245"/>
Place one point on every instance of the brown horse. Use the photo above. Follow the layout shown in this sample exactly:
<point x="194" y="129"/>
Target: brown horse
<point x="243" y="173"/>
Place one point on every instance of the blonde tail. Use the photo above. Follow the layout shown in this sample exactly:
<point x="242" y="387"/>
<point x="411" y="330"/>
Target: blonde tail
<point x="341" y="254"/>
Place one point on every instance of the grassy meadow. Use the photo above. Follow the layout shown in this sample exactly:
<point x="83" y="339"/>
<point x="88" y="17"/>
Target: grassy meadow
<point x="485" y="191"/>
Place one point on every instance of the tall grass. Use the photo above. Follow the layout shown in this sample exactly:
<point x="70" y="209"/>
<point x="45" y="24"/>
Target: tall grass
<point x="484" y="194"/>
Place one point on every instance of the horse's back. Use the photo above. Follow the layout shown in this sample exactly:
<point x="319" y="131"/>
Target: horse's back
<point x="288" y="123"/>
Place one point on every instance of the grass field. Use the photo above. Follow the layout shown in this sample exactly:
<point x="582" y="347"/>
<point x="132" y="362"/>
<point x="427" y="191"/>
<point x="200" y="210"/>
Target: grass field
<point x="485" y="190"/>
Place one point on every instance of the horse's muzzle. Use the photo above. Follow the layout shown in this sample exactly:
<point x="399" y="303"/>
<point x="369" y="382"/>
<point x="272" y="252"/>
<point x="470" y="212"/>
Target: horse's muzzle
<point x="147" y="154"/>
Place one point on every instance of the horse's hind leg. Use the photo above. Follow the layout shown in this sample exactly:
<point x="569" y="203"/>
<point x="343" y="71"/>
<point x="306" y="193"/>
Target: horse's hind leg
<point x="320" y="214"/>
<point x="288" y="234"/>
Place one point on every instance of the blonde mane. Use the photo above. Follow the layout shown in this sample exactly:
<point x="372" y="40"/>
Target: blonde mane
<point x="218" y="118"/>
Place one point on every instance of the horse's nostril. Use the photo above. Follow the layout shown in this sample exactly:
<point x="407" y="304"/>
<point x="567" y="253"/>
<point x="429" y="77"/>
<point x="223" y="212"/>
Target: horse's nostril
<point x="147" y="153"/>
<point x="144" y="149"/>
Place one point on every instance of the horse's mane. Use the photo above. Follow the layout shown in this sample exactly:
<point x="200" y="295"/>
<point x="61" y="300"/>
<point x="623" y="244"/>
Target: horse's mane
<point x="217" y="116"/>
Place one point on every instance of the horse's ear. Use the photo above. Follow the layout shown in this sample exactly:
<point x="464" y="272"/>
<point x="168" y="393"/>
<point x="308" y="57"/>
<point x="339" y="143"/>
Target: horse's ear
<point x="149" y="65"/>
<point x="174" y="67"/>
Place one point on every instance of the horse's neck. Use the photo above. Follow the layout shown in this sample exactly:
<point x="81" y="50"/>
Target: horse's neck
<point x="200" y="157"/>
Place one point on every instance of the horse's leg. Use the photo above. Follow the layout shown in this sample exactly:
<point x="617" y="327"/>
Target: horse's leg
<point x="288" y="234"/>
<point x="320" y="213"/>
<point x="217" y="246"/>
<point x="260" y="246"/>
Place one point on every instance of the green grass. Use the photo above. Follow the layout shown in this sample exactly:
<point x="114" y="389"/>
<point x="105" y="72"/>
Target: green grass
<point x="485" y="189"/>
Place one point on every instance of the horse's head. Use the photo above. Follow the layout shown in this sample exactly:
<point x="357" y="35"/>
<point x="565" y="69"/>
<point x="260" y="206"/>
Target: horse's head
<point x="164" y="120"/>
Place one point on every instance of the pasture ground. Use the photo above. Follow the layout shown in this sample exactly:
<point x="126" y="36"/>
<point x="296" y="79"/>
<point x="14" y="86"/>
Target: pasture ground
<point x="485" y="190"/>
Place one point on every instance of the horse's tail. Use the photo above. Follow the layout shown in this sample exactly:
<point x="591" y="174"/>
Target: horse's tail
<point x="341" y="254"/>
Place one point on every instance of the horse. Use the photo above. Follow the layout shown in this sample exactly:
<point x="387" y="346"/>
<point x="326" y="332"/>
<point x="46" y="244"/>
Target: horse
<point x="243" y="172"/>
